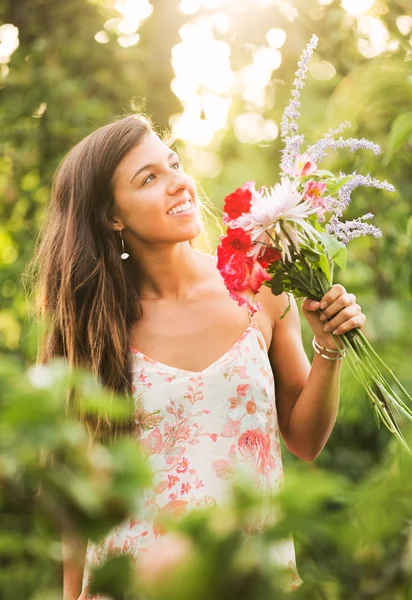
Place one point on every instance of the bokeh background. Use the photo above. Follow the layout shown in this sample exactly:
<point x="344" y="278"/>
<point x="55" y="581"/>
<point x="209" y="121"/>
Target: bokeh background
<point x="216" y="75"/>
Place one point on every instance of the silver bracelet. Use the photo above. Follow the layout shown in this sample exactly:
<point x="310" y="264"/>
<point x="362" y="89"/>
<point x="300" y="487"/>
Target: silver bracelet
<point x="331" y="350"/>
<point x="332" y="359"/>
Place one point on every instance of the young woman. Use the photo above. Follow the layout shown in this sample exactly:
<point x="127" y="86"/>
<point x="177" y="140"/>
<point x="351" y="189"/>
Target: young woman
<point x="130" y="297"/>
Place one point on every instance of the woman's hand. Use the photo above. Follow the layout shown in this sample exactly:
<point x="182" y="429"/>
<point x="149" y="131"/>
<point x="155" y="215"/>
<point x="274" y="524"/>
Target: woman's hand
<point x="336" y="313"/>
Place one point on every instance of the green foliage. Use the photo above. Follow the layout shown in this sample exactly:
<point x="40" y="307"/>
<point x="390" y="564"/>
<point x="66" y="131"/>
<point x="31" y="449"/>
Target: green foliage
<point x="335" y="249"/>
<point x="52" y="479"/>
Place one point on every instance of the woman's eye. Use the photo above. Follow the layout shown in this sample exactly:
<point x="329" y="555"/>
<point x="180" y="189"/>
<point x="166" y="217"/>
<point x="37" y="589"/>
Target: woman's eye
<point x="177" y="165"/>
<point x="149" y="178"/>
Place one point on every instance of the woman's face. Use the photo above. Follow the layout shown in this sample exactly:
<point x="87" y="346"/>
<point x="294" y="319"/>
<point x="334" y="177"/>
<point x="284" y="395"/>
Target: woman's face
<point x="150" y="191"/>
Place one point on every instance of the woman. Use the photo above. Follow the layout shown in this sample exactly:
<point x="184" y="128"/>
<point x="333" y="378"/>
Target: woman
<point x="160" y="325"/>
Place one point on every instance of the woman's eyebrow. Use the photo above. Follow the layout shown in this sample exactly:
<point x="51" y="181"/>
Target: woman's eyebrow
<point x="151" y="165"/>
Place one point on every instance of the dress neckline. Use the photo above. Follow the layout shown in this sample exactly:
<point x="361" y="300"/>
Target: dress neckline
<point x="136" y="352"/>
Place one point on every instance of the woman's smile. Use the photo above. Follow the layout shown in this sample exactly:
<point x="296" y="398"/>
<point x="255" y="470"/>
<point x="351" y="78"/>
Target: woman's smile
<point x="183" y="208"/>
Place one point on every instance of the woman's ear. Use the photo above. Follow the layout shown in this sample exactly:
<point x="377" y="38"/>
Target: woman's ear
<point x="116" y="224"/>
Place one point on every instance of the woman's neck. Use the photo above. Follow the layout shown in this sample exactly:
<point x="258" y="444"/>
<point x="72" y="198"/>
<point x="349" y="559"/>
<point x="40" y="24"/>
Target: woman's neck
<point x="168" y="273"/>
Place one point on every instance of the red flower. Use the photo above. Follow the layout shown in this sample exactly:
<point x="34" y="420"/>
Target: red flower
<point x="257" y="277"/>
<point x="235" y="268"/>
<point x="243" y="276"/>
<point x="239" y="201"/>
<point x="247" y="295"/>
<point x="269" y="256"/>
<point x="237" y="240"/>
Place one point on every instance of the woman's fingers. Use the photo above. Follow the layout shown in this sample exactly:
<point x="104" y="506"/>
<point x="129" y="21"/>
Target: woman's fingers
<point x="340" y="312"/>
<point x="357" y="321"/>
<point x="353" y="311"/>
<point x="332" y="295"/>
<point x="337" y="304"/>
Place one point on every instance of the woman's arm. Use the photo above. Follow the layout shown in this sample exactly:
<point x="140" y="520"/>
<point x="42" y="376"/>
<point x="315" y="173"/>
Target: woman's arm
<point x="74" y="554"/>
<point x="308" y="395"/>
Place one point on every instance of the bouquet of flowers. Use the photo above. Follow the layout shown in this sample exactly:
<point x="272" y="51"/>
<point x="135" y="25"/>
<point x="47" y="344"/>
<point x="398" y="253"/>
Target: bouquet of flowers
<point x="280" y="237"/>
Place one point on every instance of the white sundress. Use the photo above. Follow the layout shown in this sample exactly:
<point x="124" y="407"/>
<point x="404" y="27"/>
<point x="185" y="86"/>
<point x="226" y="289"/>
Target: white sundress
<point x="195" y="426"/>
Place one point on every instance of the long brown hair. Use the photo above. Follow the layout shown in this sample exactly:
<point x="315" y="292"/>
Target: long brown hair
<point x="82" y="287"/>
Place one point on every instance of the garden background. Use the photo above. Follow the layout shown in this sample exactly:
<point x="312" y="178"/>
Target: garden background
<point x="217" y="74"/>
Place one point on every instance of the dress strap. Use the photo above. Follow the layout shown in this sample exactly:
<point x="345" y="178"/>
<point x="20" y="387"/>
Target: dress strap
<point x="251" y="316"/>
<point x="258" y="332"/>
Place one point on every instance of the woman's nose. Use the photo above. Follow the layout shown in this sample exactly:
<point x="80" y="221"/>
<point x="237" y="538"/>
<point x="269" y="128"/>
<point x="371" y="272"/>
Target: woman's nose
<point x="178" y="181"/>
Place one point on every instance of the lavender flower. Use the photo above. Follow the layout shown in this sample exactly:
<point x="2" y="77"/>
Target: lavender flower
<point x="349" y="230"/>
<point x="338" y="200"/>
<point x="291" y="113"/>
<point x="338" y="205"/>
<point x="318" y="150"/>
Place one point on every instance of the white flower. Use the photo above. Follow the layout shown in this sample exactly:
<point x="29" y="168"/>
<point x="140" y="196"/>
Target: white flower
<point x="248" y="413"/>
<point x="282" y="212"/>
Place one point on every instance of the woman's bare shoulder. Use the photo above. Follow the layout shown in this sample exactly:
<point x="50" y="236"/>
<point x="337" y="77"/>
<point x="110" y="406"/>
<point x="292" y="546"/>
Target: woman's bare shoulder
<point x="207" y="259"/>
<point x="274" y="306"/>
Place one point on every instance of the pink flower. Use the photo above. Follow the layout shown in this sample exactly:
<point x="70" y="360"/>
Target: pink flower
<point x="254" y="445"/>
<point x="182" y="466"/>
<point x="198" y="483"/>
<point x="172" y="480"/>
<point x="304" y="165"/>
<point x="185" y="488"/>
<point x="242" y="389"/>
<point x="313" y="192"/>
<point x="153" y="443"/>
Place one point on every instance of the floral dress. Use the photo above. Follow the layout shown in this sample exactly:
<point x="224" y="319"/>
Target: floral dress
<point x="195" y="427"/>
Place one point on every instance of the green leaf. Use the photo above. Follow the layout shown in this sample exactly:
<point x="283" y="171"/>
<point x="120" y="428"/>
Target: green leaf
<point x="324" y="283"/>
<point x="277" y="284"/>
<point x="400" y="132"/>
<point x="287" y="309"/>
<point x="324" y="265"/>
<point x="334" y="186"/>
<point x="336" y="250"/>
<point x="310" y="254"/>
<point x="324" y="172"/>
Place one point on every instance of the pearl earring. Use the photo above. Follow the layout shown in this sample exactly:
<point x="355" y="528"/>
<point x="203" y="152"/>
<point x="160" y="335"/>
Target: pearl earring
<point x="124" y="254"/>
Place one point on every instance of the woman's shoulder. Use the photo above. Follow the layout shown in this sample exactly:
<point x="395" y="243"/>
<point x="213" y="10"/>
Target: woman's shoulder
<point x="207" y="259"/>
<point x="273" y="306"/>
<point x="208" y="265"/>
